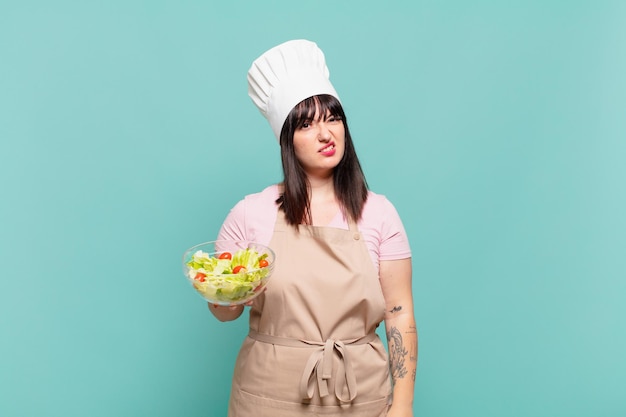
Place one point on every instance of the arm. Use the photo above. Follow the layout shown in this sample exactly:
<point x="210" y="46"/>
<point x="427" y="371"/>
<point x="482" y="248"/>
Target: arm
<point x="395" y="279"/>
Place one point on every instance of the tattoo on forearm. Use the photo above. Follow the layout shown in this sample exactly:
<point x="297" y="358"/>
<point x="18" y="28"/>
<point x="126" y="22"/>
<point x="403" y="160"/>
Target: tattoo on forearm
<point x="397" y="354"/>
<point x="395" y="309"/>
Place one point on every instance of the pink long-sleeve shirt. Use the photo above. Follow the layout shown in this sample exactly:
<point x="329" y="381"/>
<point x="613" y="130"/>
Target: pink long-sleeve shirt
<point x="253" y="219"/>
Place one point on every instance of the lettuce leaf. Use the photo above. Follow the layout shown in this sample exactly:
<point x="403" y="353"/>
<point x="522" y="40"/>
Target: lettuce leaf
<point x="220" y="284"/>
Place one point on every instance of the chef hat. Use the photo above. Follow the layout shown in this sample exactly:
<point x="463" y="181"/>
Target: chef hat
<point x="284" y="76"/>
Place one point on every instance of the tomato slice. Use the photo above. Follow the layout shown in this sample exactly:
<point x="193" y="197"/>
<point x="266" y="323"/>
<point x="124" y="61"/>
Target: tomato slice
<point x="263" y="263"/>
<point x="200" y="277"/>
<point x="239" y="269"/>
<point x="225" y="255"/>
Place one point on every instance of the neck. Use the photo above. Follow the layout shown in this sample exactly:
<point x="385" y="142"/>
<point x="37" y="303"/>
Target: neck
<point x="323" y="201"/>
<point x="321" y="188"/>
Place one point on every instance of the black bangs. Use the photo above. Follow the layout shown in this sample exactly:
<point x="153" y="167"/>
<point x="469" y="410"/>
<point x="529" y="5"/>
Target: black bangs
<point x="323" y="105"/>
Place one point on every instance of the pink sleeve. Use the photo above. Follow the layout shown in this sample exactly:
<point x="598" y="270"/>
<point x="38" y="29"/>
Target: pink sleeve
<point x="234" y="227"/>
<point x="252" y="218"/>
<point x="394" y="243"/>
<point x="384" y="233"/>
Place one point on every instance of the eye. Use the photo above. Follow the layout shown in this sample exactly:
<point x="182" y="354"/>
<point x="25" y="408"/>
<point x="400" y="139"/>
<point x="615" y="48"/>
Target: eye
<point x="305" y="125"/>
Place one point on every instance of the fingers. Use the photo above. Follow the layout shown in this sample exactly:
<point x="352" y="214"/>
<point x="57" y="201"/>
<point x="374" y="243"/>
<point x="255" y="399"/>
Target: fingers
<point x="231" y="308"/>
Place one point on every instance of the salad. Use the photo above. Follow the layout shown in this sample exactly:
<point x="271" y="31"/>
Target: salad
<point x="226" y="277"/>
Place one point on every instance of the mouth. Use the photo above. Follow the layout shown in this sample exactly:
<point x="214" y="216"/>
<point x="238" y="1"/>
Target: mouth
<point x="328" y="148"/>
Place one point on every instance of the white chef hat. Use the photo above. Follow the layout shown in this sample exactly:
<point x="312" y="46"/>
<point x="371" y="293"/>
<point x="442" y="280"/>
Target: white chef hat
<point x="284" y="76"/>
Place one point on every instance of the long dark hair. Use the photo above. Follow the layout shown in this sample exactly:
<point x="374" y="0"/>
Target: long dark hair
<point x="349" y="181"/>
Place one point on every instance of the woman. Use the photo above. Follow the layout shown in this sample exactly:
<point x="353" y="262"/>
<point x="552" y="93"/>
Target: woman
<point x="342" y="266"/>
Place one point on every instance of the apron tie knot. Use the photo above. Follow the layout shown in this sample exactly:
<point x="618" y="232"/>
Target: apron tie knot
<point x="319" y="367"/>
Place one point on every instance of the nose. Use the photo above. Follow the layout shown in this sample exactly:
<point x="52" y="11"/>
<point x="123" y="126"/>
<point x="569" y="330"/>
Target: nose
<point x="323" y="134"/>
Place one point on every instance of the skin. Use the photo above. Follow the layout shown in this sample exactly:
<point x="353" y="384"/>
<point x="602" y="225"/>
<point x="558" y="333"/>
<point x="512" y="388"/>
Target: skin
<point x="314" y="137"/>
<point x="223" y="313"/>
<point x="395" y="276"/>
<point x="395" y="279"/>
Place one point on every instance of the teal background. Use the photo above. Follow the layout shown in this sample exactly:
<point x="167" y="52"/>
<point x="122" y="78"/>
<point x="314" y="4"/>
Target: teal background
<point x="497" y="129"/>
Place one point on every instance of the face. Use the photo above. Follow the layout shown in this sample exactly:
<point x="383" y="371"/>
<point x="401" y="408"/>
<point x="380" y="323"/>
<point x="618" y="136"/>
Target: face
<point x="319" y="144"/>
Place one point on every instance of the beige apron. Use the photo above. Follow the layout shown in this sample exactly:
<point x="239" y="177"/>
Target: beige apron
<point x="312" y="347"/>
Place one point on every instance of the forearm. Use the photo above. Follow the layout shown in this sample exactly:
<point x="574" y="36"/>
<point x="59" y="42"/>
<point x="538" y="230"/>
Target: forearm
<point x="402" y="344"/>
